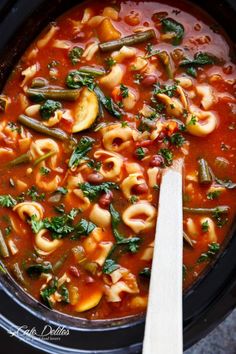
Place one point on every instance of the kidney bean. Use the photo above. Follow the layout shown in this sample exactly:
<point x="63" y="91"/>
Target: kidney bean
<point x="156" y="161"/>
<point x="74" y="271"/>
<point x="105" y="199"/>
<point x="149" y="80"/>
<point x="140" y="188"/>
<point x="95" y="178"/>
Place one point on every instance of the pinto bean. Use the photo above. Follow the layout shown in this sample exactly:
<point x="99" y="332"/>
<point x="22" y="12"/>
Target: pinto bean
<point x="95" y="178"/>
<point x="105" y="199"/>
<point x="149" y="80"/>
<point x="140" y="188"/>
<point x="156" y="161"/>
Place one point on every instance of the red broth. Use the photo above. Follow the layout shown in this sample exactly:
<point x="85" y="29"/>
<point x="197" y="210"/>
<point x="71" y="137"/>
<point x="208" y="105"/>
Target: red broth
<point x="78" y="215"/>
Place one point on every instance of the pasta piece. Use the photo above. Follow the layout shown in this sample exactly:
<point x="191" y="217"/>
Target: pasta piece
<point x="11" y="244"/>
<point x="91" y="242"/>
<point x="117" y="138"/>
<point x="123" y="281"/>
<point x="48" y="186"/>
<point x="24" y="102"/>
<point x="114" y="78"/>
<point x="88" y="13"/>
<point x="208" y="97"/>
<point x="139" y="64"/>
<point x="148" y="252"/>
<point x="26" y="210"/>
<point x="42" y="146"/>
<point x="204" y="123"/>
<point x="133" y="167"/>
<point x="130" y="182"/>
<point x="62" y="44"/>
<point x="130" y="101"/>
<point x="43" y="245"/>
<point x="55" y="119"/>
<point x="95" y="21"/>
<point x="211" y="232"/>
<point x="111" y="13"/>
<point x="140" y="216"/>
<point x="48" y="36"/>
<point x="32" y="110"/>
<point x="153" y="176"/>
<point x="29" y="73"/>
<point x="124" y="53"/>
<point x="191" y="228"/>
<point x="100" y="216"/>
<point x="76" y="198"/>
<point x="184" y="82"/>
<point x="90" y="51"/>
<point x="112" y="164"/>
<point x="103" y="250"/>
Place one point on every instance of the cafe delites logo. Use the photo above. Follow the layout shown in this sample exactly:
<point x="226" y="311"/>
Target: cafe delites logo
<point x="46" y="333"/>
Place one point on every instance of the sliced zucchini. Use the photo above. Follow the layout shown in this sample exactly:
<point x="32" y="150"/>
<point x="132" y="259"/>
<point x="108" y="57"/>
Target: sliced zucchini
<point x="89" y="301"/>
<point x="86" y="110"/>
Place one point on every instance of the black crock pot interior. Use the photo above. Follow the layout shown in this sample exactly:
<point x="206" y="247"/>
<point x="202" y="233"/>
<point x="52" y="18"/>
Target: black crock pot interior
<point x="205" y="304"/>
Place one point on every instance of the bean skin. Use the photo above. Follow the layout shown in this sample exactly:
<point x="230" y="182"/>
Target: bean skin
<point x="105" y="200"/>
<point x="140" y="188"/>
<point x="156" y="161"/>
<point x="149" y="80"/>
<point x="95" y="178"/>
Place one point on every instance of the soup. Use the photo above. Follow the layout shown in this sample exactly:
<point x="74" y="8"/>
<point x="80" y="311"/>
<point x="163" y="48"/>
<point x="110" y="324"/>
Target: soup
<point x="100" y="104"/>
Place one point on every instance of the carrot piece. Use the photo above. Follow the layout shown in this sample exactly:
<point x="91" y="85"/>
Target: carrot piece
<point x="106" y="31"/>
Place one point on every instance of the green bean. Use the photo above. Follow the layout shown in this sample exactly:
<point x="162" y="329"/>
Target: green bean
<point x="221" y="209"/>
<point x="3" y="247"/>
<point x="91" y="70"/>
<point x="136" y="38"/>
<point x="56" y="267"/>
<point x="188" y="239"/>
<point x="165" y="60"/>
<point x="39" y="82"/>
<point x="42" y="94"/>
<point x="40" y="128"/>
<point x="204" y="173"/>
<point x="42" y="158"/>
<point x="18" y="273"/>
<point x="24" y="158"/>
<point x="108" y="103"/>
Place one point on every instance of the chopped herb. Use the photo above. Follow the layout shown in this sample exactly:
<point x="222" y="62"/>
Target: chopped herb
<point x="213" y="249"/>
<point x="133" y="199"/>
<point x="48" y="291"/>
<point x="93" y="191"/>
<point x="63" y="291"/>
<point x="110" y="62"/>
<point x="109" y="266"/>
<point x="7" y="201"/>
<point x="218" y="215"/>
<point x="172" y="26"/>
<point x="213" y="195"/>
<point x="34" y="195"/>
<point x="138" y="78"/>
<point x="124" y="91"/>
<point x="140" y="153"/>
<point x="177" y="139"/>
<point x="53" y="63"/>
<point x="191" y="71"/>
<point x="95" y="165"/>
<point x="8" y="230"/>
<point x="75" y="54"/>
<point x="145" y="272"/>
<point x="77" y="79"/>
<point x="60" y="208"/>
<point x="83" y="228"/>
<point x="44" y="170"/>
<point x="60" y="226"/>
<point x="124" y="124"/>
<point x="167" y="155"/>
<point x="36" y="224"/>
<point x="168" y="90"/>
<point x="81" y="150"/>
<point x="48" y="108"/>
<point x="205" y="226"/>
<point x="193" y="120"/>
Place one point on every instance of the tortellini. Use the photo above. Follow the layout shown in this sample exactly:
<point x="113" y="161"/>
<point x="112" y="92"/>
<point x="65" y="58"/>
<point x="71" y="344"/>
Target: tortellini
<point x="112" y="164"/>
<point x="140" y="216"/>
<point x="201" y="123"/>
<point x="130" y="182"/>
<point x="26" y="210"/>
<point x="114" y="78"/>
<point x="44" y="245"/>
<point x="40" y="147"/>
<point x="100" y="216"/>
<point x="117" y="138"/>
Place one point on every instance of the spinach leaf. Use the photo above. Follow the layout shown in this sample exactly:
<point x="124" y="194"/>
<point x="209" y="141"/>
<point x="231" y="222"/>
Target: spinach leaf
<point x="48" y="108"/>
<point x="199" y="59"/>
<point x="36" y="269"/>
<point x="109" y="266"/>
<point x="83" y="228"/>
<point x="77" y="79"/>
<point x="36" y="224"/>
<point x="48" y="291"/>
<point x="108" y="103"/>
<point x="93" y="191"/>
<point x="170" y="25"/>
<point x="81" y="150"/>
<point x="60" y="226"/>
<point x="63" y="291"/>
<point x="213" y="249"/>
<point x="7" y="201"/>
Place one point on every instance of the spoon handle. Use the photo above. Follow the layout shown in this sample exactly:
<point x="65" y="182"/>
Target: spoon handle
<point x="163" y="330"/>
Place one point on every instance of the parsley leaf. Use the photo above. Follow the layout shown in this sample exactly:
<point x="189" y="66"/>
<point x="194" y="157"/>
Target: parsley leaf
<point x="205" y="226"/>
<point x="110" y="62"/>
<point x="75" y="54"/>
<point x="177" y="139"/>
<point x="167" y="155"/>
<point x="83" y="228"/>
<point x="124" y="91"/>
<point x="213" y="249"/>
<point x="81" y="150"/>
<point x="34" y="270"/>
<point x="140" y="153"/>
<point x="213" y="195"/>
<point x="7" y="201"/>
<point x="93" y="191"/>
<point x="34" y="195"/>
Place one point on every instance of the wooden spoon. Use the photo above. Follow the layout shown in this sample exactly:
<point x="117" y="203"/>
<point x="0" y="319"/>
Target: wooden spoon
<point x="163" y="330"/>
